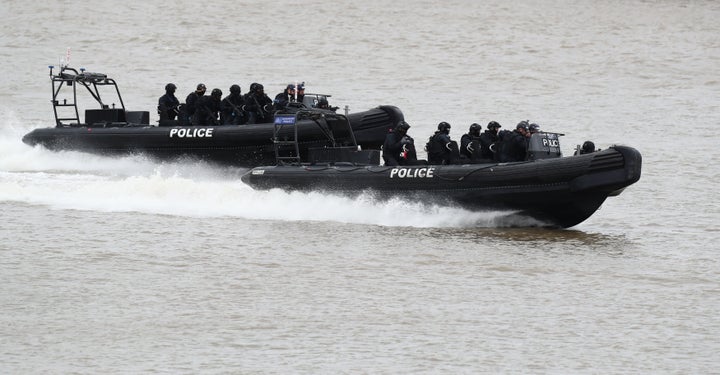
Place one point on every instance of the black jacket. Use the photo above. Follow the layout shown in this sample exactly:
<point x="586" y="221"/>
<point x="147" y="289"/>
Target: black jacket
<point x="487" y="138"/>
<point x="469" y="146"/>
<point x="191" y="103"/>
<point x="168" y="106"/>
<point x="399" y="149"/>
<point x="392" y="148"/>
<point x="259" y="108"/>
<point x="207" y="111"/>
<point x="231" y="112"/>
<point x="513" y="147"/>
<point x="442" y="150"/>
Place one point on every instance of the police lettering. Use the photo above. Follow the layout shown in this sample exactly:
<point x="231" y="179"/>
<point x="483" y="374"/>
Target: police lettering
<point x="412" y="173"/>
<point x="550" y="142"/>
<point x="191" y="133"/>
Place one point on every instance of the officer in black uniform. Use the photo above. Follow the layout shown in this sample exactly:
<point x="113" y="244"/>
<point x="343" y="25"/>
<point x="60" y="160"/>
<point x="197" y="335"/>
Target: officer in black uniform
<point x="399" y="148"/>
<point x="188" y="110"/>
<point x="323" y="104"/>
<point x="588" y="147"/>
<point x="207" y="111"/>
<point x="533" y="128"/>
<point x="440" y="148"/>
<point x="300" y="92"/>
<point x="231" y="112"/>
<point x="168" y="106"/>
<point x="487" y="139"/>
<point x="514" y="144"/>
<point x="284" y="98"/>
<point x="469" y="143"/>
<point x="258" y="106"/>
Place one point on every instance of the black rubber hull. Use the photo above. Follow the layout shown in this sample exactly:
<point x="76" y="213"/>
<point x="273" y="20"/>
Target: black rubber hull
<point x="561" y="192"/>
<point x="238" y="145"/>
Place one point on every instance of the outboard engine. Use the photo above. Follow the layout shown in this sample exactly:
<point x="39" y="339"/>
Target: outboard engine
<point x="543" y="145"/>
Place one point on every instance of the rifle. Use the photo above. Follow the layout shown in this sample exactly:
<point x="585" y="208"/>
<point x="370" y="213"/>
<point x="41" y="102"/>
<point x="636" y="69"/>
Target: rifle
<point x="263" y="113"/>
<point x="236" y="110"/>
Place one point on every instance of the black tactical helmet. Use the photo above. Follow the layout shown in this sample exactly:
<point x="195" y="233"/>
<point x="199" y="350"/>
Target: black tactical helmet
<point x="201" y="86"/>
<point x="444" y="127"/>
<point x="170" y="87"/>
<point x="588" y="147"/>
<point x="216" y="93"/>
<point x="402" y="127"/>
<point x="522" y="125"/>
<point x="253" y="86"/>
<point x="534" y="127"/>
<point x="259" y="87"/>
<point x="475" y="128"/>
<point x="235" y="89"/>
<point x="493" y="125"/>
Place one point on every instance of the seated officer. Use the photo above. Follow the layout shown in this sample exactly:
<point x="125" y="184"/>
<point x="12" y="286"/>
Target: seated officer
<point x="514" y="144"/>
<point x="207" y="111"/>
<point x="231" y="112"/>
<point x="469" y="143"/>
<point x="399" y="148"/>
<point x="168" y="106"/>
<point x="258" y="106"/>
<point x="284" y="98"/>
<point x="487" y="139"/>
<point x="440" y="148"/>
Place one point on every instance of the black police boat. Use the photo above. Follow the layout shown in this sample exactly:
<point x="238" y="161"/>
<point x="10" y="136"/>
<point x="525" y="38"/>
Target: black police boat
<point x="113" y="130"/>
<point x="555" y="190"/>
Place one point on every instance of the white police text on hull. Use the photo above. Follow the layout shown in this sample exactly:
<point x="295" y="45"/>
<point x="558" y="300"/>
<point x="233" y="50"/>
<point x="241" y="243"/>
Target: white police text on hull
<point x="412" y="172"/>
<point x="191" y="133"/>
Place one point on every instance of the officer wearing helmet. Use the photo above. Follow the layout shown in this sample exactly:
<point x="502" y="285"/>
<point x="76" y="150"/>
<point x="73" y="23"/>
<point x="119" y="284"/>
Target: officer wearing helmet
<point x="588" y="147"/>
<point x="258" y="106"/>
<point x="487" y="139"/>
<point x="399" y="148"/>
<point x="231" y="112"/>
<point x="514" y="144"/>
<point x="440" y="148"/>
<point x="469" y="142"/>
<point x="300" y="92"/>
<point x="533" y="128"/>
<point x="168" y="106"/>
<point x="191" y="101"/>
<point x="208" y="109"/>
<point x="283" y="99"/>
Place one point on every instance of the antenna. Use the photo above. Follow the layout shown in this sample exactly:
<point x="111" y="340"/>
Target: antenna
<point x="64" y="62"/>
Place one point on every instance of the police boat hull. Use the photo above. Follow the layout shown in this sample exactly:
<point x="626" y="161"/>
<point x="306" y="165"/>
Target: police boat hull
<point x="237" y="145"/>
<point x="559" y="192"/>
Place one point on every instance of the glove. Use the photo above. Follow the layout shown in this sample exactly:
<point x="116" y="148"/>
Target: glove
<point x="406" y="140"/>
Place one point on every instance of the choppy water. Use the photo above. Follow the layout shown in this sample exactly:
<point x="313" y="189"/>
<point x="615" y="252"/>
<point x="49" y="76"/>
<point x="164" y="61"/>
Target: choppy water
<point x="127" y="265"/>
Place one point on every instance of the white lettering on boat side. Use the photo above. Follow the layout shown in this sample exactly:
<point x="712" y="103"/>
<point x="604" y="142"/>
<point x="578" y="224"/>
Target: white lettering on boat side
<point x="412" y="172"/>
<point x="191" y="133"/>
<point x="550" y="142"/>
